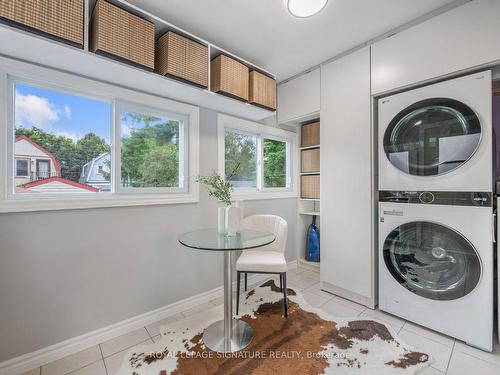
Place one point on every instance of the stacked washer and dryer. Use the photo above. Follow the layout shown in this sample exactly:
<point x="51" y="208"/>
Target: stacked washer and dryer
<point x="436" y="223"/>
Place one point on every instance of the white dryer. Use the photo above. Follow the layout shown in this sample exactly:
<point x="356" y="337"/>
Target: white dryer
<point x="438" y="137"/>
<point x="436" y="262"/>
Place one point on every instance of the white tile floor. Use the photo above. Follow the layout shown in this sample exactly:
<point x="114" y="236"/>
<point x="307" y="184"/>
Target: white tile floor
<point x="451" y="356"/>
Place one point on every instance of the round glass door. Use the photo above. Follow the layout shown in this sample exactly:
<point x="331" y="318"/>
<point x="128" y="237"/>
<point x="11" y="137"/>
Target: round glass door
<point x="432" y="137"/>
<point x="432" y="261"/>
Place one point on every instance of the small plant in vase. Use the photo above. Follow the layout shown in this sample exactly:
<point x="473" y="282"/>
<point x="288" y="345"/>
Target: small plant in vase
<point x="229" y="217"/>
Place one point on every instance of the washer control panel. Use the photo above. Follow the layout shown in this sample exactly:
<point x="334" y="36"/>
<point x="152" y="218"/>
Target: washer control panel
<point x="449" y="198"/>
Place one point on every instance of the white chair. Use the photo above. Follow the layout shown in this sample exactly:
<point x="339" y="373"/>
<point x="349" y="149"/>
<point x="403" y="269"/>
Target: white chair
<point x="269" y="259"/>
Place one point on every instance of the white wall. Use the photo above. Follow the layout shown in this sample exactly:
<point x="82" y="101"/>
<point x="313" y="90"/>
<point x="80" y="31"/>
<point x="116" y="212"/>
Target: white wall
<point x="66" y="273"/>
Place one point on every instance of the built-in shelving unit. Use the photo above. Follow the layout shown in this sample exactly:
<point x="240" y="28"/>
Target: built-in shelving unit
<point x="51" y="53"/>
<point x="309" y="172"/>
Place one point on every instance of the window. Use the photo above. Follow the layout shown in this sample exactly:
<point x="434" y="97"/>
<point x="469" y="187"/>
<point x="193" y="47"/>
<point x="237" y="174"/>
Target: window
<point x="152" y="147"/>
<point x="22" y="168"/>
<point x="256" y="159"/>
<point x="81" y="143"/>
<point x="63" y="133"/>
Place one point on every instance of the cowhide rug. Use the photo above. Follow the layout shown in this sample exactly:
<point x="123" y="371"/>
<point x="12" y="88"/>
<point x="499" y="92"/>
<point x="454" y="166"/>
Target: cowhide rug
<point x="308" y="342"/>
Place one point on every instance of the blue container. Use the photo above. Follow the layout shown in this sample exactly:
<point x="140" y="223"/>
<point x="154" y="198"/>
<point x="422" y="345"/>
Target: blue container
<point x="312" y="245"/>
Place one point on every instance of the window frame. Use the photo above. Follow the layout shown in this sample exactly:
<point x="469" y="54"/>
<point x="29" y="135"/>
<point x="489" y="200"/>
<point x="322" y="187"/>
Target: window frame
<point x="230" y="123"/>
<point x="13" y="71"/>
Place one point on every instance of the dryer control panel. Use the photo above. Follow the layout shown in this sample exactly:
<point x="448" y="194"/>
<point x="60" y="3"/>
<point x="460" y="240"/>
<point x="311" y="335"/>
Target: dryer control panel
<point x="448" y="198"/>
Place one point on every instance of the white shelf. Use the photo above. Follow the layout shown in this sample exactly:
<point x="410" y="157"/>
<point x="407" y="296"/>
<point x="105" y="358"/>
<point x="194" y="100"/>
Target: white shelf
<point x="311" y="213"/>
<point x="36" y="49"/>
<point x="314" y="266"/>
<point x="309" y="147"/>
<point x="162" y="26"/>
<point x="309" y="173"/>
<point x="309" y="199"/>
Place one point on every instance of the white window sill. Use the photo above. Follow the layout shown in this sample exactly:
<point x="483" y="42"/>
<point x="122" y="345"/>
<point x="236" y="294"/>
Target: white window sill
<point x="51" y="204"/>
<point x="261" y="195"/>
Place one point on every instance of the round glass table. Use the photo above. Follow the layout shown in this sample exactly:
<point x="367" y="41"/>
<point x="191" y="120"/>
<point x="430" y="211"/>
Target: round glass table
<point x="228" y="335"/>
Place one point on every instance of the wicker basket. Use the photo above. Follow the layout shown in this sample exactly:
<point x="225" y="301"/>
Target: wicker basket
<point x="57" y="19"/>
<point x="229" y="77"/>
<point x="182" y="58"/>
<point x="262" y="90"/>
<point x="310" y="135"/>
<point x="122" y="35"/>
<point x="310" y="160"/>
<point x="309" y="187"/>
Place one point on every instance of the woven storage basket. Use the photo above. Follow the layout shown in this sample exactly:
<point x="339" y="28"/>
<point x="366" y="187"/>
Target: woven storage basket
<point x="182" y="58"/>
<point x="122" y="35"/>
<point x="309" y="186"/>
<point x="57" y="19"/>
<point x="262" y="90"/>
<point x="310" y="160"/>
<point x="310" y="135"/>
<point x="229" y="77"/>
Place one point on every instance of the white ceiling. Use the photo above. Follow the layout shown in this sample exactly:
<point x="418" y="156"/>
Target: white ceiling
<point x="263" y="32"/>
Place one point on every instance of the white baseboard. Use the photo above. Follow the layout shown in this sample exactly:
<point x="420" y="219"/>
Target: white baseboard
<point x="29" y="361"/>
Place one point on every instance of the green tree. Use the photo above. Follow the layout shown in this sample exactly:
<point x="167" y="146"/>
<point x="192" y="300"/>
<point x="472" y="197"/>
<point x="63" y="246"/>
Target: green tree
<point x="274" y="163"/>
<point x="150" y="152"/>
<point x="240" y="158"/>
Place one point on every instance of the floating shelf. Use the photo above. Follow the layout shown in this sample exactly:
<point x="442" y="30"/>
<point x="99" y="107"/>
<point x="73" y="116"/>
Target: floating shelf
<point x="310" y="213"/>
<point x="309" y="147"/>
<point x="309" y="173"/>
<point x="56" y="55"/>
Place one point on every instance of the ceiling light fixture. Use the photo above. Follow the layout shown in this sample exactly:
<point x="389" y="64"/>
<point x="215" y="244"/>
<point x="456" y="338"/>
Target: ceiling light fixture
<point x="305" y="8"/>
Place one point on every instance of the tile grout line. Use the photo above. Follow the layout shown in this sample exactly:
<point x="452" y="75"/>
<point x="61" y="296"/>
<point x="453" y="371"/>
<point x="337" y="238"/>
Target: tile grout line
<point x="433" y="340"/>
<point x="127" y="348"/>
<point x="476" y="357"/>
<point x="149" y="334"/>
<point x="451" y="355"/>
<point x="103" y="361"/>
<point x="402" y="326"/>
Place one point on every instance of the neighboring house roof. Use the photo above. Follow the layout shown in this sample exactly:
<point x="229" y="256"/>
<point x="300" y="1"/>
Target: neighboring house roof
<point x="60" y="180"/>
<point x="43" y="149"/>
<point x="89" y="167"/>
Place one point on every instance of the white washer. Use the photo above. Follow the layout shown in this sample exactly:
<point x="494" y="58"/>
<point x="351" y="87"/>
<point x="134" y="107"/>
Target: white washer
<point x="438" y="137"/>
<point x="436" y="264"/>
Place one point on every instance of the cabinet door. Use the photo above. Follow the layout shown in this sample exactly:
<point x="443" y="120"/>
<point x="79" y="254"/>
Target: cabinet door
<point x="347" y="257"/>
<point x="299" y="97"/>
<point x="462" y="38"/>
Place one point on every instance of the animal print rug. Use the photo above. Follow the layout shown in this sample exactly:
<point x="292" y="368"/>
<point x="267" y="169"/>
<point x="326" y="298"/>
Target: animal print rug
<point x="308" y="342"/>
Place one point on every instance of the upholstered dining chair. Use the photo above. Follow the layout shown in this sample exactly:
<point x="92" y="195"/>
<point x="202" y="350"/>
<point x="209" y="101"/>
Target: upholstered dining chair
<point x="269" y="259"/>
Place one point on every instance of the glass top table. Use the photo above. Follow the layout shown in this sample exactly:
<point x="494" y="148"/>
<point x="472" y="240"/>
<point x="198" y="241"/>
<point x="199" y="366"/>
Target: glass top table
<point x="228" y="335"/>
<point x="211" y="239"/>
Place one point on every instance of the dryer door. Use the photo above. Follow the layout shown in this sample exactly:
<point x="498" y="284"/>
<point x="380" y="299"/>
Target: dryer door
<point x="432" y="137"/>
<point x="432" y="261"/>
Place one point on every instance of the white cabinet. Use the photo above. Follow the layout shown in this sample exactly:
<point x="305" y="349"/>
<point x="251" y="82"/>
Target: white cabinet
<point x="347" y="199"/>
<point x="299" y="97"/>
<point x="462" y="38"/>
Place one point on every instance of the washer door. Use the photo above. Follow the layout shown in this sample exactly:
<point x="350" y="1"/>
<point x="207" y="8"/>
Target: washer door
<point x="432" y="261"/>
<point x="432" y="137"/>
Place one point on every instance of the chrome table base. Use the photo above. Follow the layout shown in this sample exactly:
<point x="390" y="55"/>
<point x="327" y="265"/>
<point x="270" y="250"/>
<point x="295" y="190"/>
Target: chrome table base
<point x="213" y="337"/>
<point x="228" y="335"/>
